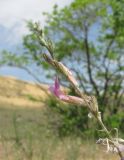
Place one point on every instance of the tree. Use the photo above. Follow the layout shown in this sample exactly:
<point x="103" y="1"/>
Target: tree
<point x="96" y="61"/>
<point x="88" y="37"/>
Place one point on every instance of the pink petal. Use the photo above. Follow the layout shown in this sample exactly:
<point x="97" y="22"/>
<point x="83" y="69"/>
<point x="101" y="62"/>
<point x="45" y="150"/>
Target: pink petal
<point x="55" y="89"/>
<point x="57" y="85"/>
<point x="64" y="97"/>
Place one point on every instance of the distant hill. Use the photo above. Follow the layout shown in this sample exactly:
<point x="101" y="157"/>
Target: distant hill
<point x="20" y="93"/>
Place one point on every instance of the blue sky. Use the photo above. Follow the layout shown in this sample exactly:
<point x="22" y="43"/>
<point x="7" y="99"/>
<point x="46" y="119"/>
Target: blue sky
<point x="13" y="14"/>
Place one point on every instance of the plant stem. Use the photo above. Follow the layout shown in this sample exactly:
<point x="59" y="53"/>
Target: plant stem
<point x="108" y="134"/>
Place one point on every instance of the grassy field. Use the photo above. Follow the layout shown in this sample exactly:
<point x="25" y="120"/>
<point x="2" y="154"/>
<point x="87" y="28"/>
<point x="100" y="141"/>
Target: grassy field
<point x="26" y="134"/>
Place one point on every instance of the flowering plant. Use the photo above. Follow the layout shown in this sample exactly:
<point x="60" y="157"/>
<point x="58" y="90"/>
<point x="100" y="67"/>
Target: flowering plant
<point x="113" y="144"/>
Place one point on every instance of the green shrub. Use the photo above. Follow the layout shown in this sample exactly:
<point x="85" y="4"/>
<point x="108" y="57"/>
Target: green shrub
<point x="116" y="121"/>
<point x="73" y="120"/>
<point x="69" y="119"/>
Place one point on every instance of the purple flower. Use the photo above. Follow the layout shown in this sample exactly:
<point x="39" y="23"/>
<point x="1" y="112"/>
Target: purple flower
<point x="122" y="158"/>
<point x="55" y="89"/>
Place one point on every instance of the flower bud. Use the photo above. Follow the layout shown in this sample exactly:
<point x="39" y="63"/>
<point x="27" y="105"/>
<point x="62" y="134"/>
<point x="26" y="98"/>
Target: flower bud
<point x="68" y="73"/>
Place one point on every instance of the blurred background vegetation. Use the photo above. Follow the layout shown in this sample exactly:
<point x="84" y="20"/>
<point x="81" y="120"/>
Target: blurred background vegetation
<point x="88" y="37"/>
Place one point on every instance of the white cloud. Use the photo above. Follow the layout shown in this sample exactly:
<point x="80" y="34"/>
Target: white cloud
<point x="13" y="14"/>
<point x="19" y="10"/>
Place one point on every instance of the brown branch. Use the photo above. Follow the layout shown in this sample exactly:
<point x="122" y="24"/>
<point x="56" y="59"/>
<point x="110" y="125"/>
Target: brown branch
<point x="89" y="62"/>
<point x="107" y="78"/>
<point x="120" y="95"/>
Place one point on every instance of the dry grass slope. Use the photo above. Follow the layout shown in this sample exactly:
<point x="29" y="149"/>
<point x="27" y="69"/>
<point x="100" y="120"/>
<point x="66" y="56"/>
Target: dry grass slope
<point x="25" y="132"/>
<point x="20" y="93"/>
